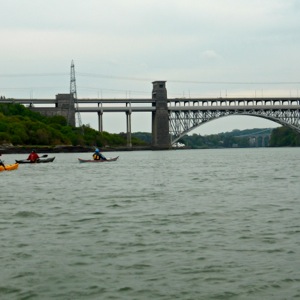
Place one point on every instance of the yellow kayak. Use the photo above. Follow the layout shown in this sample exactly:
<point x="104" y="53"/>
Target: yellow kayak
<point x="9" y="167"/>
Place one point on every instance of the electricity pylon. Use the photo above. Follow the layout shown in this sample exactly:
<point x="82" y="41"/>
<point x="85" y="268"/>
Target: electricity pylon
<point x="73" y="95"/>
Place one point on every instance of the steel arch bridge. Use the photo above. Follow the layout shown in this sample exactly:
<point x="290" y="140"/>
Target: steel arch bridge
<point x="171" y="118"/>
<point x="188" y="114"/>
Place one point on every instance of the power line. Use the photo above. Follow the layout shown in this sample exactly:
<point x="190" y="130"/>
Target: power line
<point x="186" y="81"/>
<point x="112" y="90"/>
<point x="33" y="88"/>
<point x="236" y="82"/>
<point x="113" y="77"/>
<point x="78" y="86"/>
<point x="33" y="74"/>
<point x="94" y="75"/>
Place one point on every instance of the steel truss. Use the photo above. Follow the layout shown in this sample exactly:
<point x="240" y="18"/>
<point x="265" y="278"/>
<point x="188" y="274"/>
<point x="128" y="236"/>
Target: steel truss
<point x="183" y="121"/>
<point x="73" y="94"/>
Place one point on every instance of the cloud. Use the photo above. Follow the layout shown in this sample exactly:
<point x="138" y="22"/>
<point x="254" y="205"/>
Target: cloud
<point x="174" y="40"/>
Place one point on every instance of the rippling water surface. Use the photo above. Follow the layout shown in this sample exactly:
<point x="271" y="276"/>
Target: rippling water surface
<point x="191" y="224"/>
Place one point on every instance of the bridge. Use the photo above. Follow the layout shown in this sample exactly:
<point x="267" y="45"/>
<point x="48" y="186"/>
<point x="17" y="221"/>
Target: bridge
<point x="171" y="118"/>
<point x="259" y="138"/>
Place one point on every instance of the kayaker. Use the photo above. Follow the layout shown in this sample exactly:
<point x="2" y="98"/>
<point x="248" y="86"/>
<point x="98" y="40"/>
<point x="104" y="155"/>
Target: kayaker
<point x="98" y="155"/>
<point x="2" y="163"/>
<point x="33" y="156"/>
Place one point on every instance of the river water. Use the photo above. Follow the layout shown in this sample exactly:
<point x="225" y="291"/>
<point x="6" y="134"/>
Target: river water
<point x="188" y="224"/>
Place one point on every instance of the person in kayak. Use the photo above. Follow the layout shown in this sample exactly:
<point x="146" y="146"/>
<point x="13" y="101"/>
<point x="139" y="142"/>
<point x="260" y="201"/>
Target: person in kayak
<point x="98" y="155"/>
<point x="2" y="163"/>
<point x="33" y="156"/>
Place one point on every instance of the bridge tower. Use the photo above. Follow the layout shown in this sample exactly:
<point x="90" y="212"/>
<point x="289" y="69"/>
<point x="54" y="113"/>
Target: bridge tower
<point x="160" y="117"/>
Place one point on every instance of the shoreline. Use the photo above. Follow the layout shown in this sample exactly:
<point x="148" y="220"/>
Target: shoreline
<point x="67" y="149"/>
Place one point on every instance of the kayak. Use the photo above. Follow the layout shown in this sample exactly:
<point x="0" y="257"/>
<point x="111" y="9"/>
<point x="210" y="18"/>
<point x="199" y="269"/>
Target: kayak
<point x="40" y="160"/>
<point x="9" y="167"/>
<point x="97" y="161"/>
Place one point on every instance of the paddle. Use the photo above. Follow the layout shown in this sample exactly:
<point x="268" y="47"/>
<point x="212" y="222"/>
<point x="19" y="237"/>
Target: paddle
<point x="45" y="155"/>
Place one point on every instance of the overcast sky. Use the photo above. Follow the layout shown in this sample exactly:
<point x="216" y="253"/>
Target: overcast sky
<point x="201" y="48"/>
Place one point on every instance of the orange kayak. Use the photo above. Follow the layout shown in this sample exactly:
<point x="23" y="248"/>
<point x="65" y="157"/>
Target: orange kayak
<point x="9" y="167"/>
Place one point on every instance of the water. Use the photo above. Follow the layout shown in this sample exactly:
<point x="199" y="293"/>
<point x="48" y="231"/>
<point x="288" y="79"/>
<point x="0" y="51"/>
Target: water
<point x="191" y="224"/>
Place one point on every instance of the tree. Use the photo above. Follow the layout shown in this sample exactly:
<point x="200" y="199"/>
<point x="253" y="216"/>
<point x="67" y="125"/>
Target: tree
<point x="284" y="136"/>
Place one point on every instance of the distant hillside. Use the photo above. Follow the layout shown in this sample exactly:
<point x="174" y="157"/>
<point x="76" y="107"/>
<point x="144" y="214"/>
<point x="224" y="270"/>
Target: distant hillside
<point x="256" y="137"/>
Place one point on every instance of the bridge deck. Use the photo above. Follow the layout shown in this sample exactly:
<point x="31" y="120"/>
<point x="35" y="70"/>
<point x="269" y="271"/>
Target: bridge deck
<point x="232" y="107"/>
<point x="177" y="104"/>
<point x="174" y="101"/>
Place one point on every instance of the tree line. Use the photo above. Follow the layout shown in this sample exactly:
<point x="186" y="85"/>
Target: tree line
<point x="256" y="137"/>
<point x="21" y="126"/>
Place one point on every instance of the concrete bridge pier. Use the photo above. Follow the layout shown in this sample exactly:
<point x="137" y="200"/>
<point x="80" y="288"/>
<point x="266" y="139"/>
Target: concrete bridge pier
<point x="160" y="117"/>
<point x="128" y="128"/>
<point x="100" y="121"/>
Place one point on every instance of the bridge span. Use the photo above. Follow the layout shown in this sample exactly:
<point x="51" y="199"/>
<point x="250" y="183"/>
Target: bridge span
<point x="171" y="118"/>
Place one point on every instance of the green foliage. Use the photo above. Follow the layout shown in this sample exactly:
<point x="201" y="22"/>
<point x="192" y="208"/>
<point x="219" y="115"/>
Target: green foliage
<point x="284" y="137"/>
<point x="57" y="120"/>
<point x="3" y="125"/>
<point x="21" y="126"/>
<point x="4" y="138"/>
<point x="146" y="137"/>
<point x="115" y="139"/>
<point x="235" y="138"/>
<point x="197" y="141"/>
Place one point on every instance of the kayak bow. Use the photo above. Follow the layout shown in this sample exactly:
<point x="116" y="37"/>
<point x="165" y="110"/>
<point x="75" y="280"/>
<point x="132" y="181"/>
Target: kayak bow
<point x="9" y="167"/>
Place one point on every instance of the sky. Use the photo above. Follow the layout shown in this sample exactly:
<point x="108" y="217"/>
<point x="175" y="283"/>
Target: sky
<point x="202" y="48"/>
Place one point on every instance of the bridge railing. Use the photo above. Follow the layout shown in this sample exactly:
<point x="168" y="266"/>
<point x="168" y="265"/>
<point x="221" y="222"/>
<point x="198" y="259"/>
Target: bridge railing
<point x="234" y="102"/>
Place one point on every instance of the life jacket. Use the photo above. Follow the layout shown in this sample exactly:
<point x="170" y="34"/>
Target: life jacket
<point x="33" y="156"/>
<point x="96" y="156"/>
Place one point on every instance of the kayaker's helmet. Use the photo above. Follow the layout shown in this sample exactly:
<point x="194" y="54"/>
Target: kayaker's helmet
<point x="32" y="150"/>
<point x="97" y="150"/>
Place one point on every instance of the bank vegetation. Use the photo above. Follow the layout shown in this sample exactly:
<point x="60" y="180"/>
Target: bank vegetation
<point x="20" y="126"/>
